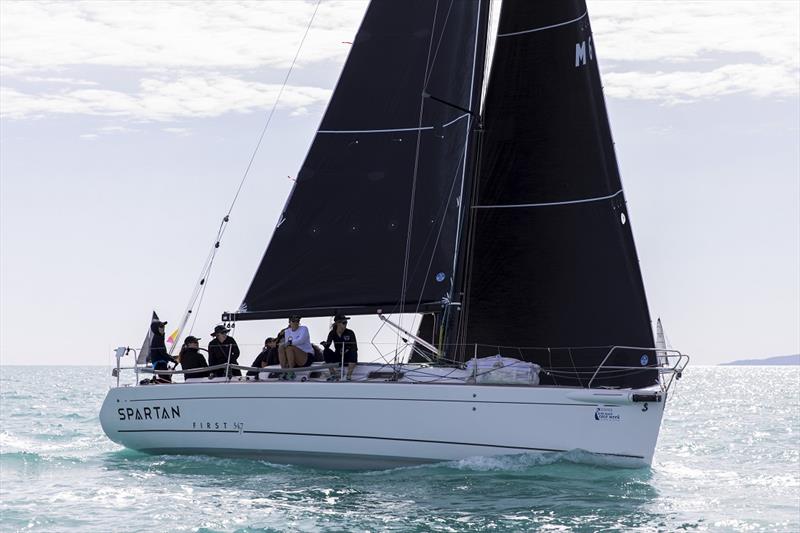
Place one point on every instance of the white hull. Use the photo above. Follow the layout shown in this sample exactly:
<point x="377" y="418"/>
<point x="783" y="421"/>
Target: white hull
<point x="375" y="425"/>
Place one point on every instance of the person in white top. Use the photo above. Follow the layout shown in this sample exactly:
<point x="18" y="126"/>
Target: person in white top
<point x="295" y="350"/>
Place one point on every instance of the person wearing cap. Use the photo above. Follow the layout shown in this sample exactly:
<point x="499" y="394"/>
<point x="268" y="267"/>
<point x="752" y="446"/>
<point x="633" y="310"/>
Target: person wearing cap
<point x="267" y="357"/>
<point x="191" y="358"/>
<point x="344" y="349"/>
<point x="159" y="356"/>
<point x="295" y="350"/>
<point x="223" y="349"/>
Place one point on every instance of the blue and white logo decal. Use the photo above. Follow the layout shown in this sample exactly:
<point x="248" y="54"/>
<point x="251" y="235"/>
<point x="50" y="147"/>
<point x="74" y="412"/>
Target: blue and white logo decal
<point x="644" y="360"/>
<point x="440" y="277"/>
<point x="607" y="414"/>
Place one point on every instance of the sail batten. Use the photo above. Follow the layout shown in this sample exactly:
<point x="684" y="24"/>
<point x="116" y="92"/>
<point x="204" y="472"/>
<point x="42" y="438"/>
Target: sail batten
<point x="392" y="130"/>
<point x="542" y="28"/>
<point x="549" y="204"/>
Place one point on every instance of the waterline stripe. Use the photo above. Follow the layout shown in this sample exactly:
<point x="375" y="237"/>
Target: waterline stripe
<point x="371" y="437"/>
<point x="543" y="27"/>
<point x="549" y="204"/>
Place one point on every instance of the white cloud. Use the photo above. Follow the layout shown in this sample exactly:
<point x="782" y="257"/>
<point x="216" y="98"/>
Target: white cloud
<point x="672" y="50"/>
<point x="161" y="100"/>
<point x="117" y="129"/>
<point x="181" y="132"/>
<point x="156" y="35"/>
<point x="195" y="60"/>
<point x="690" y="86"/>
<point x="59" y="81"/>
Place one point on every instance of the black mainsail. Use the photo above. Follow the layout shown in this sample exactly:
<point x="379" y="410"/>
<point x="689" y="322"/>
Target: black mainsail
<point x="552" y="258"/>
<point x="512" y="229"/>
<point x="397" y="126"/>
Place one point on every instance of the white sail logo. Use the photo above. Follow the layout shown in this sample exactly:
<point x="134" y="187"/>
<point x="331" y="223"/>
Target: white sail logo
<point x="580" y="52"/>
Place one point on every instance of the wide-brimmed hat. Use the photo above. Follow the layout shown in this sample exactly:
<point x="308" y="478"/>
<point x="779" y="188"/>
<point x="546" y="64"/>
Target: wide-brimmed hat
<point x="219" y="329"/>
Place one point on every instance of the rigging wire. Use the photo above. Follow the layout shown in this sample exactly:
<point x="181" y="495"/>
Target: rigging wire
<point x="441" y="226"/>
<point x="428" y="74"/>
<point x="196" y="300"/>
<point x="404" y="285"/>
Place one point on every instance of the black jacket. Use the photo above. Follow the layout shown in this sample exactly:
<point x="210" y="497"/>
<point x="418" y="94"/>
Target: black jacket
<point x="268" y="357"/>
<point x="192" y="358"/>
<point x="218" y="354"/>
<point x="158" y="349"/>
<point x="346" y="343"/>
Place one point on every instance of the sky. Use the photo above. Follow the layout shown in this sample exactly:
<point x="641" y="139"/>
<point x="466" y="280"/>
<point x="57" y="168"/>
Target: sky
<point x="126" y="128"/>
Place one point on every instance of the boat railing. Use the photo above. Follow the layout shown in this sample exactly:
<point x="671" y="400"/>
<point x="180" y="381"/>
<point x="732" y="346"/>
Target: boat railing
<point x="669" y="364"/>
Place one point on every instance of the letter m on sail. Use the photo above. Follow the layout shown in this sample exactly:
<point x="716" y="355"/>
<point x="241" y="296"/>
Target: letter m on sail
<point x="580" y="53"/>
<point x="581" y="49"/>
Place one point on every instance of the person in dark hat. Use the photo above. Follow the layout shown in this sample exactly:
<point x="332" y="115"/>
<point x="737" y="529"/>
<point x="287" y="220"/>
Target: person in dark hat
<point x="295" y="350"/>
<point x="159" y="356"/>
<point x="191" y="358"/>
<point x="267" y="357"/>
<point x="223" y="349"/>
<point x="345" y="348"/>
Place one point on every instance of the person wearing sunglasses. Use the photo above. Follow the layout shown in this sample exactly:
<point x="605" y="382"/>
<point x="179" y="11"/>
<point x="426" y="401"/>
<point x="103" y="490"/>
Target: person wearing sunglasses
<point x="341" y="347"/>
<point x="295" y="350"/>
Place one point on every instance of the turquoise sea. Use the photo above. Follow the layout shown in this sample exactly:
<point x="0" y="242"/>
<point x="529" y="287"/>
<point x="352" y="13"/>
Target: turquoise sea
<point x="728" y="460"/>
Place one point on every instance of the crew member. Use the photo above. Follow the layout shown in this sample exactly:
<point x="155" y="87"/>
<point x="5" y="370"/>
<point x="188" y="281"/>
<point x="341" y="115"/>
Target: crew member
<point x="223" y="349"/>
<point x="267" y="357"/>
<point x="296" y="350"/>
<point x="159" y="357"/>
<point x="191" y="358"/>
<point x="344" y="349"/>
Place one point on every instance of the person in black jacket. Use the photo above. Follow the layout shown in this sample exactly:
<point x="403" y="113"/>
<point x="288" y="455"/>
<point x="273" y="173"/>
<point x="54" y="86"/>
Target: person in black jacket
<point x="267" y="357"/>
<point x="344" y="349"/>
<point x="191" y="358"/>
<point x="223" y="349"/>
<point x="159" y="357"/>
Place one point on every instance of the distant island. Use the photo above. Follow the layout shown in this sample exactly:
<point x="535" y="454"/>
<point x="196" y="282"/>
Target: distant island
<point x="777" y="360"/>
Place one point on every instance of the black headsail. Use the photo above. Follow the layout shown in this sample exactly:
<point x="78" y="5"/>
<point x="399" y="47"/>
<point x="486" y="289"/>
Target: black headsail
<point x="398" y="125"/>
<point x="552" y="258"/>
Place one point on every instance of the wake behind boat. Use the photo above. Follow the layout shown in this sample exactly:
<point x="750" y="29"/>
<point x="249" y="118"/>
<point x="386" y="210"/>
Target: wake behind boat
<point x="480" y="191"/>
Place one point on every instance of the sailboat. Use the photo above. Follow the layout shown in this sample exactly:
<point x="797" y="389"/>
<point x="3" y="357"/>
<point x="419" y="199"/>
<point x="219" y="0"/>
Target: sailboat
<point x="463" y="172"/>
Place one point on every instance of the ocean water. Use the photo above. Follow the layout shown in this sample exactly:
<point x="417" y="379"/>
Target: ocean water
<point x="728" y="460"/>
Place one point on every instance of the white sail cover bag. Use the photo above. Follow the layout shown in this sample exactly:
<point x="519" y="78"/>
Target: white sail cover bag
<point x="503" y="370"/>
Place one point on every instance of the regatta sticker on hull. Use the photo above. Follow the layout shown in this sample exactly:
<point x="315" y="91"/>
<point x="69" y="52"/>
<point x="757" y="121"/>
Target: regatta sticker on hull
<point x="606" y="414"/>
